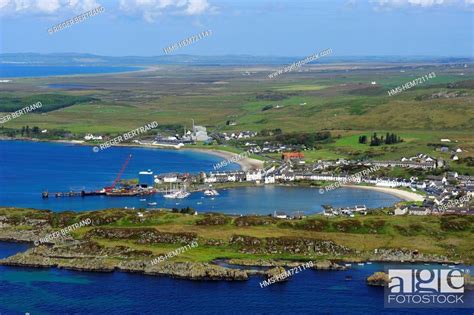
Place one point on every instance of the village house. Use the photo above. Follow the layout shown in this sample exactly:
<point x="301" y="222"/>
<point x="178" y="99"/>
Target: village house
<point x="254" y="176"/>
<point x="413" y="210"/>
<point x="90" y="136"/>
<point x="280" y="215"/>
<point x="401" y="211"/>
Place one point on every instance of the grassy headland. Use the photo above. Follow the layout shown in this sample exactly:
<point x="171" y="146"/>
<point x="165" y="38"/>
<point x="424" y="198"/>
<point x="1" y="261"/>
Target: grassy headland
<point x="377" y="236"/>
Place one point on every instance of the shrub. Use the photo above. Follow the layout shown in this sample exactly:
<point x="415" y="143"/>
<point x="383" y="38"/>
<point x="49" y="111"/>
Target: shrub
<point x="347" y="225"/>
<point x="375" y="226"/>
<point x="314" y="225"/>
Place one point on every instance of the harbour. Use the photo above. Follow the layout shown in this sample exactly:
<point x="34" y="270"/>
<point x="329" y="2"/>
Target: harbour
<point x="23" y="186"/>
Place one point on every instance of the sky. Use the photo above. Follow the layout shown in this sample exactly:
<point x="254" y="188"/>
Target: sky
<point x="250" y="27"/>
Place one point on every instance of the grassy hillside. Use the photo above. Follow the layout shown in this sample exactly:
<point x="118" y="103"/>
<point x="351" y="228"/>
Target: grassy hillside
<point x="339" y="98"/>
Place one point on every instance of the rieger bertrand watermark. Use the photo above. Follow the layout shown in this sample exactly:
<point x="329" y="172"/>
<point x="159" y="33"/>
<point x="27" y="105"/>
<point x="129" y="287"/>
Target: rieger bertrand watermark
<point x="176" y="252"/>
<point x="426" y="288"/>
<point x="20" y="112"/>
<point x="125" y="136"/>
<point x="455" y="203"/>
<point x="411" y="84"/>
<point x="75" y="20"/>
<point x="187" y="41"/>
<point x="350" y="179"/>
<point x="63" y="232"/>
<point x="300" y="63"/>
<point x="288" y="273"/>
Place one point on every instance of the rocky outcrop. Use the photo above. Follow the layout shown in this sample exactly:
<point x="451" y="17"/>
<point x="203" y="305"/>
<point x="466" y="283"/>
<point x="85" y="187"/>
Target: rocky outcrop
<point x="213" y="219"/>
<point x="142" y="235"/>
<point x="293" y="245"/>
<point x="254" y="221"/>
<point x="213" y="242"/>
<point x="328" y="265"/>
<point x="90" y="256"/>
<point x="264" y="262"/>
<point x="277" y="274"/>
<point x="10" y="234"/>
<point x="196" y="271"/>
<point x="378" y="279"/>
<point x="405" y="255"/>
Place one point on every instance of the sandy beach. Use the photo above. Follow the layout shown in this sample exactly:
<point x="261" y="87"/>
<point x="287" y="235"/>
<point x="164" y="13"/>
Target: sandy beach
<point x="405" y="195"/>
<point x="245" y="162"/>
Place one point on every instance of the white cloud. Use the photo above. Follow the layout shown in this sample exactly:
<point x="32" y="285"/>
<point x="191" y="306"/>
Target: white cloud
<point x="150" y="10"/>
<point x="197" y="7"/>
<point x="48" y="6"/>
<point x="45" y="6"/>
<point x="380" y="4"/>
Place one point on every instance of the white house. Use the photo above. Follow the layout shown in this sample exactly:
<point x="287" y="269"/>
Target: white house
<point x="280" y="215"/>
<point x="90" y="136"/>
<point x="210" y="179"/>
<point x="400" y="211"/>
<point x="254" y="176"/>
<point x="270" y="179"/>
<point x="360" y="208"/>
<point x="171" y="178"/>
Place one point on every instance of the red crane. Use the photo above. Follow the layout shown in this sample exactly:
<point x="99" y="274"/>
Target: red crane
<point x="119" y="174"/>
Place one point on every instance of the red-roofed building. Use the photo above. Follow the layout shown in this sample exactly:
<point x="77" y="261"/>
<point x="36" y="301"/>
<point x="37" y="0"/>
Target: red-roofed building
<point x="292" y="155"/>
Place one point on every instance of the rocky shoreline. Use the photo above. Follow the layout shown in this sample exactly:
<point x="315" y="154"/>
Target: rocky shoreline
<point x="72" y="257"/>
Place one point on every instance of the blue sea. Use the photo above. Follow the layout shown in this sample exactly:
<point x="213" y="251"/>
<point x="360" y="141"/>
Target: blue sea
<point x="28" y="168"/>
<point x="21" y="71"/>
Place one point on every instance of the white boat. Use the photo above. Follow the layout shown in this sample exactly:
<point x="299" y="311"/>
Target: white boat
<point x="348" y="265"/>
<point x="180" y="194"/>
<point x="211" y="192"/>
<point x="152" y="203"/>
<point x="369" y="263"/>
<point x="360" y="264"/>
<point x="142" y="199"/>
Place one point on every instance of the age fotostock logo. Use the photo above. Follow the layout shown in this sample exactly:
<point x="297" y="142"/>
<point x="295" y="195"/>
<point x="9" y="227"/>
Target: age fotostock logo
<point x="426" y="288"/>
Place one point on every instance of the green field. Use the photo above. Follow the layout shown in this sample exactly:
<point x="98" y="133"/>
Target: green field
<point x="339" y="100"/>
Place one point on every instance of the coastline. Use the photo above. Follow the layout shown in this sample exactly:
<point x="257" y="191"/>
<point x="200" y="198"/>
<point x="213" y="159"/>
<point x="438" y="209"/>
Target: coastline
<point x="405" y="195"/>
<point x="245" y="163"/>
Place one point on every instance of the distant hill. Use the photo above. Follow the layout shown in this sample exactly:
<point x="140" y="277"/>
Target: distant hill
<point x="90" y="59"/>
